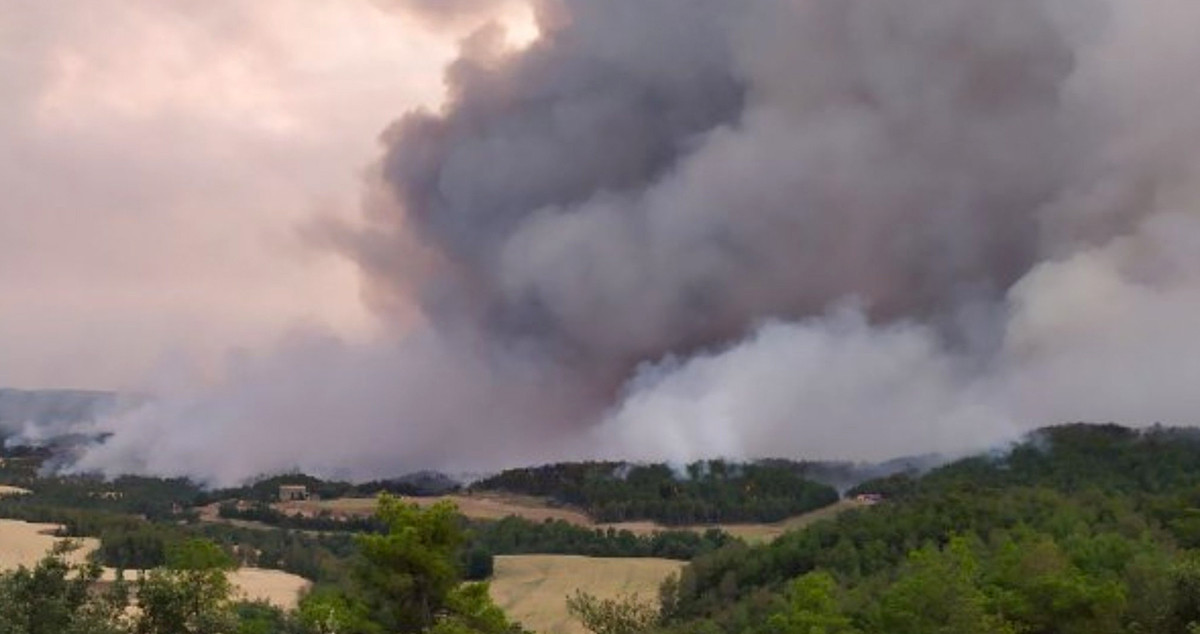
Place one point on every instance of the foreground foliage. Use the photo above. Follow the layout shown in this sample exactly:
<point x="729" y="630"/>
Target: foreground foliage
<point x="407" y="579"/>
<point x="623" y="615"/>
<point x="1081" y="529"/>
<point x="56" y="597"/>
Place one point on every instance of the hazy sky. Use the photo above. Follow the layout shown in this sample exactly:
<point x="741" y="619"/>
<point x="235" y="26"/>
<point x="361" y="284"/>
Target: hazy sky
<point x="156" y="159"/>
<point x="666" y="229"/>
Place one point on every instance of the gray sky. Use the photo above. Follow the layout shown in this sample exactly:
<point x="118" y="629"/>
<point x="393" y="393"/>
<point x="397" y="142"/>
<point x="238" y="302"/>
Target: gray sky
<point x="156" y="158"/>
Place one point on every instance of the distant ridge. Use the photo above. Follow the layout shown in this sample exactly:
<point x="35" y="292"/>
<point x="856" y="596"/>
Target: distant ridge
<point x="46" y="414"/>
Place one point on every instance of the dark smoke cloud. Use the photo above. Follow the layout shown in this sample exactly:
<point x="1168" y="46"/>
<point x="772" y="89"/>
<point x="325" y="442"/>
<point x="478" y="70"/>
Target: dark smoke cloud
<point x="829" y="228"/>
<point x="590" y="118"/>
<point x="656" y="177"/>
<point x="660" y="177"/>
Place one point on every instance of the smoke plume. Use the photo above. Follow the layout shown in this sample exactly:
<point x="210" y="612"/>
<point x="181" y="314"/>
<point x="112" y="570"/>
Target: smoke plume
<point x="685" y="228"/>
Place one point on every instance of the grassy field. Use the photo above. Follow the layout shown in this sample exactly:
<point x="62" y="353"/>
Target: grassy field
<point x="276" y="587"/>
<point x="24" y="544"/>
<point x="533" y="589"/>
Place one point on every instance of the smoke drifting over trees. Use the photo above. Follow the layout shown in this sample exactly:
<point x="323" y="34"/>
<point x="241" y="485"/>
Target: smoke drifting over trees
<point x="681" y="228"/>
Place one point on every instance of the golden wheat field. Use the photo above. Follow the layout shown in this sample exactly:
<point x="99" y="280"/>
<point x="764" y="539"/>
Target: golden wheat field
<point x="24" y="544"/>
<point x="533" y="589"/>
<point x="276" y="587"/>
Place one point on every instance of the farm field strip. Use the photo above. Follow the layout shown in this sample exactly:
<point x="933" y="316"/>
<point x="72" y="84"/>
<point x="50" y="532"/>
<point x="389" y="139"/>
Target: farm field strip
<point x="477" y="506"/>
<point x="493" y="507"/>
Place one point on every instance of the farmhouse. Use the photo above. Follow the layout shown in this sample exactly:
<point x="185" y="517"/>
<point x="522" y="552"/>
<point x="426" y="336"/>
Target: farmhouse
<point x="292" y="492"/>
<point x="869" y="499"/>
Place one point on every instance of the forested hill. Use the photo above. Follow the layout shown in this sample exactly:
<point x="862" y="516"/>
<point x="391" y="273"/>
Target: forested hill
<point x="704" y="492"/>
<point x="50" y="411"/>
<point x="1078" y="529"/>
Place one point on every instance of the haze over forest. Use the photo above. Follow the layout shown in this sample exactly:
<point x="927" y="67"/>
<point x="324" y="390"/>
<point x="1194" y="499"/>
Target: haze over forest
<point x="371" y="237"/>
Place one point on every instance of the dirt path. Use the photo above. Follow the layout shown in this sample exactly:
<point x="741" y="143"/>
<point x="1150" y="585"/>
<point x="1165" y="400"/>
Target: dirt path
<point x="753" y="533"/>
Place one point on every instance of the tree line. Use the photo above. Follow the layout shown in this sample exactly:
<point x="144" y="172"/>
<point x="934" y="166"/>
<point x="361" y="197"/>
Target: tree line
<point x="519" y="536"/>
<point x="707" y="492"/>
<point x="1079" y="529"/>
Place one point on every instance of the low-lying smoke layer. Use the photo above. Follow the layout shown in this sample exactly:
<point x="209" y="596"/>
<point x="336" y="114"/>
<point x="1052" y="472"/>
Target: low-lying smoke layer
<point x="684" y="228"/>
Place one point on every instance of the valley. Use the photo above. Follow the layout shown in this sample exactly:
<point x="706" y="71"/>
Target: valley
<point x="1097" y="512"/>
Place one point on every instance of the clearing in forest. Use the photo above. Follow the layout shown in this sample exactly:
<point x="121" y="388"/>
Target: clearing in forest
<point x="533" y="589"/>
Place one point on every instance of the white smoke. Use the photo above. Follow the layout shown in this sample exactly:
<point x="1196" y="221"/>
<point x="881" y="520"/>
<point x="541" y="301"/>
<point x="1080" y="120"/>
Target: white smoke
<point x="1103" y="329"/>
